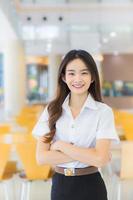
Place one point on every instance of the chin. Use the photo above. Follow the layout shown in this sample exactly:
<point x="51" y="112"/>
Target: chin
<point x="79" y="92"/>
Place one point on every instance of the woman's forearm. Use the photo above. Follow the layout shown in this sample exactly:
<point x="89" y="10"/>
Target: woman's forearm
<point x="45" y="155"/>
<point x="97" y="156"/>
<point x="89" y="156"/>
<point x="84" y="155"/>
<point x="53" y="158"/>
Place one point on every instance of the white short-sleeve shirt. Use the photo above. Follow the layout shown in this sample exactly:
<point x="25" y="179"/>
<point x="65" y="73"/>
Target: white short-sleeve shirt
<point x="95" y="121"/>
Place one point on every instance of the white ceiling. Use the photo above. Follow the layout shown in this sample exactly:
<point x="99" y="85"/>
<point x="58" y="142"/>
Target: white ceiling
<point x="105" y="26"/>
<point x="73" y="1"/>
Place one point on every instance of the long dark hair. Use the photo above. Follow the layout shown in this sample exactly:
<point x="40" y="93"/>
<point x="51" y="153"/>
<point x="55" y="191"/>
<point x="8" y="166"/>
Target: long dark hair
<point x="55" y="106"/>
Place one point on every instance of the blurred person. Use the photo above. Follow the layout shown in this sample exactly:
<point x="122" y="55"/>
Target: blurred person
<point x="75" y="131"/>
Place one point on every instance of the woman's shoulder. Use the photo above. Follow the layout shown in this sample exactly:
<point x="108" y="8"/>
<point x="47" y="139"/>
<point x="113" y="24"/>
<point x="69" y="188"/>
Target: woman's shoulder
<point x="44" y="112"/>
<point x="103" y="106"/>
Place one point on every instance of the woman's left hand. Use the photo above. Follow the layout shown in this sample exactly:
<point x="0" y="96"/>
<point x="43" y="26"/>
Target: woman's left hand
<point x="56" y="145"/>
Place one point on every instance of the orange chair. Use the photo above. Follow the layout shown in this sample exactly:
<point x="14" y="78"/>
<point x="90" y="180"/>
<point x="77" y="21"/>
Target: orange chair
<point x="124" y="122"/>
<point x="10" y="168"/>
<point x="128" y="131"/>
<point x="27" y="122"/>
<point x="4" y="128"/>
<point x="4" y="157"/>
<point x="28" y="117"/>
<point x="22" y="138"/>
<point x="125" y="172"/>
<point x="32" y="171"/>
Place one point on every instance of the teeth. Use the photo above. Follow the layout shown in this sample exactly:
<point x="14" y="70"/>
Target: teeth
<point x="77" y="85"/>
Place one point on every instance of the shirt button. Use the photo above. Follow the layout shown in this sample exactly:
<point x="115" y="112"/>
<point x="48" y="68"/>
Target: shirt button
<point x="72" y="126"/>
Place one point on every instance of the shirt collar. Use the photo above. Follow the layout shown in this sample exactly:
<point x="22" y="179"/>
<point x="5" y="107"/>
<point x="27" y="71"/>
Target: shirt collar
<point x="89" y="103"/>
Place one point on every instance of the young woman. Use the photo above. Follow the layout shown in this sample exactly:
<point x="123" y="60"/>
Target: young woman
<point x="75" y="131"/>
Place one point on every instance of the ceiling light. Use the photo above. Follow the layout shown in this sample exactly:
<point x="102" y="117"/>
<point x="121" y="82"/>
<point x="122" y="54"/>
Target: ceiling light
<point x="45" y="18"/>
<point x="99" y="57"/>
<point x="105" y="40"/>
<point x="28" y="32"/>
<point x="28" y="18"/>
<point x="47" y="32"/>
<point x="60" y="18"/>
<point x="113" y="34"/>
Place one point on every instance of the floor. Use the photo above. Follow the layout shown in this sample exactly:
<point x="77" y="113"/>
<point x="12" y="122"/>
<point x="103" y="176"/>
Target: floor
<point x="40" y="190"/>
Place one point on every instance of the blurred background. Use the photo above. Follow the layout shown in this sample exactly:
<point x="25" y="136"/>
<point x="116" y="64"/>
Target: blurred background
<point x="34" y="36"/>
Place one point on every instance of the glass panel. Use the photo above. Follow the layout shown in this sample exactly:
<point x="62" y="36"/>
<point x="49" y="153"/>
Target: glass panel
<point x="37" y="83"/>
<point x="117" y="88"/>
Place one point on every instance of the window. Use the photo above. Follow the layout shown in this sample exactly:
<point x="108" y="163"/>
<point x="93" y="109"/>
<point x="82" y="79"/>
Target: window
<point x="37" y="83"/>
<point x="117" y="88"/>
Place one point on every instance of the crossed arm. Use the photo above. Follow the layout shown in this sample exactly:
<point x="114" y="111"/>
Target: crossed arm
<point x="63" y="152"/>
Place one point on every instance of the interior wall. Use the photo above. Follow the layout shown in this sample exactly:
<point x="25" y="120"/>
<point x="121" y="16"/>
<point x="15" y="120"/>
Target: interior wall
<point x="118" y="67"/>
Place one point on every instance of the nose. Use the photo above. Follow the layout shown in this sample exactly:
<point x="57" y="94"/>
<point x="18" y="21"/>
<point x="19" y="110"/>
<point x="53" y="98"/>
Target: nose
<point x="78" y="78"/>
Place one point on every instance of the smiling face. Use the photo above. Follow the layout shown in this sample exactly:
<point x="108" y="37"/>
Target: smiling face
<point x="77" y="77"/>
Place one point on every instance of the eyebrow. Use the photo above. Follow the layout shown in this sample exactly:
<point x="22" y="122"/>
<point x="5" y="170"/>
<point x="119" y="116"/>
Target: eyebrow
<point x="72" y="70"/>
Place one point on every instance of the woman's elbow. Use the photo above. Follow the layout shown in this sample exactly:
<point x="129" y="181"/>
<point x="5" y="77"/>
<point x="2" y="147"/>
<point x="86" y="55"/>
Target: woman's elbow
<point x="41" y="159"/>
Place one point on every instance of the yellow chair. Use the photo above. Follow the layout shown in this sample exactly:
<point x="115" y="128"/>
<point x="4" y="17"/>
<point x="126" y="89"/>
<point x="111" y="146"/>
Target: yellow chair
<point x="26" y="121"/>
<point x="31" y="110"/>
<point x="21" y="138"/>
<point x="10" y="168"/>
<point x="121" y="116"/>
<point x="4" y="176"/>
<point x="126" y="168"/>
<point x="4" y="156"/>
<point x="124" y="123"/>
<point x="32" y="171"/>
<point x="4" y="128"/>
<point x="28" y="116"/>
<point x="128" y="130"/>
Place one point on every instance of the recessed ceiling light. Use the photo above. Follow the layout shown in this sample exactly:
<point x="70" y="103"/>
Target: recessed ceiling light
<point x="49" y="45"/>
<point x="60" y="18"/>
<point x="28" y="18"/>
<point x="105" y="40"/>
<point x="45" y="18"/>
<point x="113" y="34"/>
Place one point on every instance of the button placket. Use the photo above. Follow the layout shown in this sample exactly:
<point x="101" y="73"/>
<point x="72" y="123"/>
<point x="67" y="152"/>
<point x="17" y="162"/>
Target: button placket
<point x="72" y="126"/>
<point x="72" y="132"/>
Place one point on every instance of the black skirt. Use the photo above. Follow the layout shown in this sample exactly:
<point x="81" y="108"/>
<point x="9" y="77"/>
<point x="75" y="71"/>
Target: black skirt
<point x="85" y="187"/>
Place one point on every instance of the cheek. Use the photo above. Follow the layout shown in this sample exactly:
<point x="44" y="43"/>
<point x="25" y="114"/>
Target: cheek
<point x="68" y="79"/>
<point x="87" y="80"/>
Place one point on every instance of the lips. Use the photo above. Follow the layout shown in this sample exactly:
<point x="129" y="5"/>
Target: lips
<point x="78" y="86"/>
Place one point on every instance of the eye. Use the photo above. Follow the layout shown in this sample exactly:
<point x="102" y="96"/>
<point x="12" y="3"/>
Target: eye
<point x="71" y="74"/>
<point x="85" y="73"/>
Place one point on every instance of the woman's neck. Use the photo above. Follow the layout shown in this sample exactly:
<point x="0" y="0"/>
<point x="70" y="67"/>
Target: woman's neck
<point x="77" y="101"/>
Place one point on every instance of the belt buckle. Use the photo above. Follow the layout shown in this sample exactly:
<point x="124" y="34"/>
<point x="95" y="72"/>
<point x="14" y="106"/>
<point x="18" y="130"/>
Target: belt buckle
<point x="69" y="171"/>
